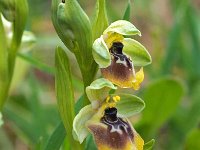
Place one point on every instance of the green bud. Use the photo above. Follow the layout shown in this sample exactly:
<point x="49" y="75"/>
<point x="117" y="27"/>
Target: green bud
<point x="61" y="27"/>
<point x="7" y="7"/>
<point x="74" y="29"/>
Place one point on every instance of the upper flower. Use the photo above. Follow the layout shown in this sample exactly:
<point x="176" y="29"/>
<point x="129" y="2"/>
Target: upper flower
<point x="117" y="55"/>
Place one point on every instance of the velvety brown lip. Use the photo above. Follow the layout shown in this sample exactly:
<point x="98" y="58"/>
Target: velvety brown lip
<point x="120" y="71"/>
<point x="117" y="139"/>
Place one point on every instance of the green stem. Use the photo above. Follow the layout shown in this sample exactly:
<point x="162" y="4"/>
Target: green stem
<point x="4" y="72"/>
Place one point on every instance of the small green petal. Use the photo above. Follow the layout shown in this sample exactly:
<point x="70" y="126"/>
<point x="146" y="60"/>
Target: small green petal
<point x="98" y="91"/>
<point x="80" y="120"/>
<point x="129" y="105"/>
<point x="138" y="53"/>
<point x="101" y="53"/>
<point x="149" y="145"/>
<point x="123" y="27"/>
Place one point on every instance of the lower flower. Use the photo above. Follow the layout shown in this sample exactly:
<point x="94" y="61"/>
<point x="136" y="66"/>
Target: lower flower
<point x="114" y="133"/>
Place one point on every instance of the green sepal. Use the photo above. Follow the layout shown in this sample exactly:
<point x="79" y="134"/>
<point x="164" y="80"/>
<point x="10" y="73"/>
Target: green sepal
<point x="101" y="21"/>
<point x="98" y="91"/>
<point x="79" y="123"/>
<point x="101" y="53"/>
<point x="138" y="53"/>
<point x="123" y="27"/>
<point x="129" y="105"/>
<point x="149" y="145"/>
<point x="1" y="121"/>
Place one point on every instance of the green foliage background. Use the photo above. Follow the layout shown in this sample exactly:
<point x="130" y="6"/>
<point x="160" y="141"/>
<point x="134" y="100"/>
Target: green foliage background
<point x="170" y="31"/>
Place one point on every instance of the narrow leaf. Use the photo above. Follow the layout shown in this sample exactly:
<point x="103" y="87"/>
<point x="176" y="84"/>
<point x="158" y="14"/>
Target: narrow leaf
<point x="127" y="13"/>
<point x="64" y="89"/>
<point x="57" y="138"/>
<point x="101" y="21"/>
<point x="90" y="144"/>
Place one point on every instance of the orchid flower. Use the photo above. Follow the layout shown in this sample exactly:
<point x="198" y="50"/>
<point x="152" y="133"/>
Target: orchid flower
<point x="117" y="54"/>
<point x="107" y="118"/>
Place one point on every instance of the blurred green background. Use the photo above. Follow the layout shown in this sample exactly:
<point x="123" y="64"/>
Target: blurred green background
<point x="170" y="31"/>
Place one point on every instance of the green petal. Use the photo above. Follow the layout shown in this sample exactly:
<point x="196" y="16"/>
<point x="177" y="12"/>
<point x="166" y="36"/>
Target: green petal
<point x="149" y="145"/>
<point x="98" y="91"/>
<point x="1" y="121"/>
<point x="138" y="53"/>
<point x="101" y="53"/>
<point x="129" y="105"/>
<point x="80" y="120"/>
<point x="122" y="27"/>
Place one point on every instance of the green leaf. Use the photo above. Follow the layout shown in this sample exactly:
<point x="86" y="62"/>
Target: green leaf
<point x="101" y="21"/>
<point x="36" y="63"/>
<point x="101" y="53"/>
<point x="149" y="145"/>
<point x="1" y="120"/>
<point x="90" y="144"/>
<point x="98" y="91"/>
<point x="80" y="120"/>
<point x="129" y="105"/>
<point x="161" y="98"/>
<point x="193" y="140"/>
<point x="57" y="138"/>
<point x="127" y="13"/>
<point x="65" y="93"/>
<point x="122" y="27"/>
<point x="138" y="53"/>
<point x="64" y="89"/>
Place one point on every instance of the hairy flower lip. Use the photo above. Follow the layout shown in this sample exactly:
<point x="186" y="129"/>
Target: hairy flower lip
<point x="113" y="132"/>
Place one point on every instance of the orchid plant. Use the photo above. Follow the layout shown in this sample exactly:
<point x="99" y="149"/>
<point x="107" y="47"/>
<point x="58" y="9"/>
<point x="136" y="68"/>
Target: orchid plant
<point x="111" y="48"/>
